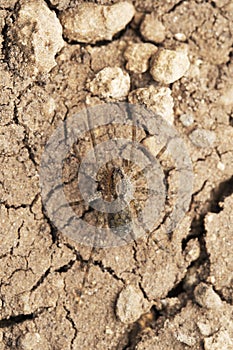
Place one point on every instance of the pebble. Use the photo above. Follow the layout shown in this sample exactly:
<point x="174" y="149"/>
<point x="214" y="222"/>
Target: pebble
<point x="202" y="138"/>
<point x="158" y="99"/>
<point x="192" y="250"/>
<point x="90" y="23"/>
<point x="187" y="119"/>
<point x="138" y="56"/>
<point x="221" y="166"/>
<point x="37" y="47"/>
<point x="131" y="304"/>
<point x="32" y="341"/>
<point x="168" y="66"/>
<point x="220" y="340"/>
<point x="153" y="145"/>
<point x="205" y="328"/>
<point x="110" y="82"/>
<point x="206" y="297"/>
<point x="180" y="37"/>
<point x="152" y="29"/>
<point x="184" y="338"/>
<point x="226" y="98"/>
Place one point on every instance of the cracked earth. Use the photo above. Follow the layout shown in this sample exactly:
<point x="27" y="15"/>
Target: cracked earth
<point x="160" y="291"/>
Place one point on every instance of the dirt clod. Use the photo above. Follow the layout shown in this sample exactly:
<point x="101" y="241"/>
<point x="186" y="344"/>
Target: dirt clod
<point x="221" y="340"/>
<point x="202" y="138"/>
<point x="218" y="226"/>
<point x="157" y="99"/>
<point x="34" y="39"/>
<point x="152" y="29"/>
<point x="131" y="304"/>
<point x="110" y="82"/>
<point x="206" y="297"/>
<point x="138" y="56"/>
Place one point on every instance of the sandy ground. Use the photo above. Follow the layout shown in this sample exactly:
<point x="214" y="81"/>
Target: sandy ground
<point x="160" y="290"/>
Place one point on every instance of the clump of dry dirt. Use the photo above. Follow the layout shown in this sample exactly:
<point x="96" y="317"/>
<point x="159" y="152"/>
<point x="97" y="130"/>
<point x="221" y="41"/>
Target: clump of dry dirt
<point x="162" y="290"/>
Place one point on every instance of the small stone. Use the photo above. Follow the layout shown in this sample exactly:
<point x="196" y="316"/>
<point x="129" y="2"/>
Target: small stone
<point x="131" y="304"/>
<point x="226" y="98"/>
<point x="153" y="145"/>
<point x="108" y="331"/>
<point x="180" y="37"/>
<point x="110" y="82"/>
<point x="206" y="297"/>
<point x="158" y="99"/>
<point x="90" y="23"/>
<point x="186" y="338"/>
<point x="221" y="340"/>
<point x="221" y="166"/>
<point x="187" y="119"/>
<point x="138" y="55"/>
<point x="192" y="250"/>
<point x="32" y="341"/>
<point x="205" y="328"/>
<point x="168" y="66"/>
<point x="152" y="29"/>
<point x="35" y="37"/>
<point x="202" y="138"/>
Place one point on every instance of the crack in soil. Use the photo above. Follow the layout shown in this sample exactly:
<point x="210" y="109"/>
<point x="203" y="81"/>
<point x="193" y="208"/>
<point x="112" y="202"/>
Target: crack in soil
<point x="223" y="190"/>
<point x="69" y="318"/>
<point x="41" y="279"/>
<point x="13" y="320"/>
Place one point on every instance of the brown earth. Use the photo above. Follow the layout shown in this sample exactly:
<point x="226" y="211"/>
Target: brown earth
<point x="160" y="291"/>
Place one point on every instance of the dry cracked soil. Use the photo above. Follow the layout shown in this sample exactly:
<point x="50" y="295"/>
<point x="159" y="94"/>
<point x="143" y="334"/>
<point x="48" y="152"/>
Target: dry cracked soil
<point x="166" y="289"/>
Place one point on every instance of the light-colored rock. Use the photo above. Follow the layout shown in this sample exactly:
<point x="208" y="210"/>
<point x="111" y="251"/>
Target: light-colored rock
<point x="204" y="328"/>
<point x="202" y="138"/>
<point x="168" y="66"/>
<point x="35" y="37"/>
<point x="192" y="250"/>
<point x="220" y="340"/>
<point x="90" y="23"/>
<point x="185" y="338"/>
<point x="153" y="145"/>
<point x="180" y="37"/>
<point x="206" y="297"/>
<point x="158" y="99"/>
<point x="138" y="55"/>
<point x="32" y="341"/>
<point x="152" y="29"/>
<point x="131" y="304"/>
<point x="110" y="82"/>
<point x="226" y="97"/>
<point x="187" y="119"/>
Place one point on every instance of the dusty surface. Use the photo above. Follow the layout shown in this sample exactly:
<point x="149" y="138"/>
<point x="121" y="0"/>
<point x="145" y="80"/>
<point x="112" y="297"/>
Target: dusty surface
<point x="160" y="291"/>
